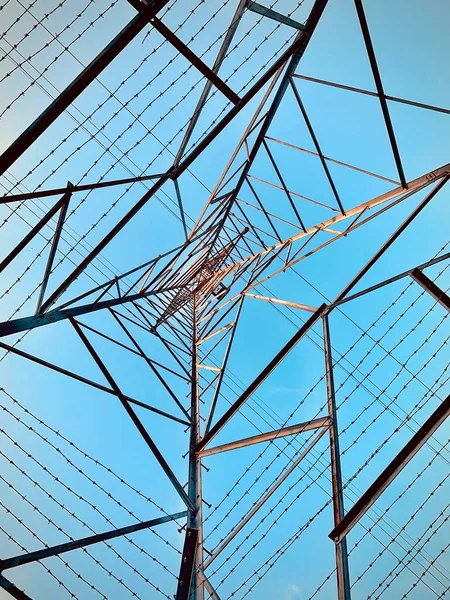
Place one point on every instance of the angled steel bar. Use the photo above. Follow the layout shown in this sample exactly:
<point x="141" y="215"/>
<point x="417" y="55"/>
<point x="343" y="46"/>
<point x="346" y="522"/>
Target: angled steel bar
<point x="261" y="205"/>
<point x="208" y="587"/>
<point x="187" y="564"/>
<point x="23" y="559"/>
<point x="286" y="191"/>
<point x="433" y="261"/>
<point x="152" y="366"/>
<point x="274" y="15"/>
<point x="264" y="499"/>
<point x="283" y="302"/>
<point x="292" y="193"/>
<point x="267" y="437"/>
<point x="413" y="186"/>
<point x="394" y="195"/>
<point x="210" y="74"/>
<point x="14" y="591"/>
<point x="386" y="477"/>
<point x="312" y="133"/>
<point x="110" y="339"/>
<point x="209" y="368"/>
<point x="99" y="386"/>
<point x="430" y="287"/>
<point x="249" y="223"/>
<point x="296" y="259"/>
<point x="79" y="84"/>
<point x="195" y="61"/>
<point x="333" y="160"/>
<point x="34" y="231"/>
<point x="57" y="314"/>
<point x="211" y="335"/>
<point x="74" y="188"/>
<point x="208" y="328"/>
<point x="393" y="237"/>
<point x="180" y="206"/>
<point x="206" y="90"/>
<point x="446" y="111"/>
<point x="218" y="387"/>
<point x="380" y="90"/>
<point x="137" y="422"/>
<point x="342" y="570"/>
<point x="235" y="407"/>
<point x="54" y="247"/>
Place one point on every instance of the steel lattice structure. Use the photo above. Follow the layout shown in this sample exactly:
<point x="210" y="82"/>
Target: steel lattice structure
<point x="183" y="294"/>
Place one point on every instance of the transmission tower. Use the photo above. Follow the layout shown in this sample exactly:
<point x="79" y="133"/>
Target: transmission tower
<point x="181" y="309"/>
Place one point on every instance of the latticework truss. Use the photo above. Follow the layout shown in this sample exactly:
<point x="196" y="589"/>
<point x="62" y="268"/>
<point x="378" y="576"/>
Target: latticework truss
<point x="224" y="300"/>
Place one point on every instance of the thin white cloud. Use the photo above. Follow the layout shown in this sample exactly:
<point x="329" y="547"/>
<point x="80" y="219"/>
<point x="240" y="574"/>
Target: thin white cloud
<point x="293" y="591"/>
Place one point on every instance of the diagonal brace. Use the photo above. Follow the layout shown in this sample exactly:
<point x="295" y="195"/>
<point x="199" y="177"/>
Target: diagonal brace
<point x="260" y="378"/>
<point x="269" y="436"/>
<point x="266" y="496"/>
<point x="187" y="53"/>
<point x="140" y="427"/>
<point x="386" y="477"/>
<point x="430" y="287"/>
<point x="17" y="561"/>
<point x="12" y="589"/>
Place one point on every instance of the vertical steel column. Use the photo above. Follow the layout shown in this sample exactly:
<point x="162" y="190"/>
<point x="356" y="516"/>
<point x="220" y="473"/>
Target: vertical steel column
<point x="343" y="577"/>
<point x="195" y="466"/>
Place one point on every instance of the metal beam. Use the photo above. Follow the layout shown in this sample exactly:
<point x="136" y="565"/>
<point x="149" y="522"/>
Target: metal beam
<point x="206" y="90"/>
<point x="430" y="287"/>
<point x="54" y="246"/>
<point x="413" y="186"/>
<point x="195" y="61"/>
<point x="74" y="188"/>
<point x="195" y="520"/>
<point x="274" y="15"/>
<point x="209" y="588"/>
<point x="297" y="48"/>
<point x="223" y="367"/>
<point x="333" y="160"/>
<point x="282" y="302"/>
<point x="433" y="261"/>
<point x="264" y="499"/>
<point x="392" y="238"/>
<point x="14" y="591"/>
<point x="34" y="231"/>
<point x="187" y="564"/>
<point x="260" y="378"/>
<point x="342" y="570"/>
<point x="210" y="74"/>
<point x="400" y="461"/>
<point x="53" y="316"/>
<point x="137" y="422"/>
<point x="78" y="85"/>
<point x="380" y="90"/>
<point x="23" y="559"/>
<point x="312" y="133"/>
<point x="99" y="386"/>
<point x="349" y="88"/>
<point x="267" y="437"/>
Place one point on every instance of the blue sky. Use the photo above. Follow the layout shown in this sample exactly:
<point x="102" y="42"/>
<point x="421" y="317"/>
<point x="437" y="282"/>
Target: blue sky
<point x="412" y="49"/>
